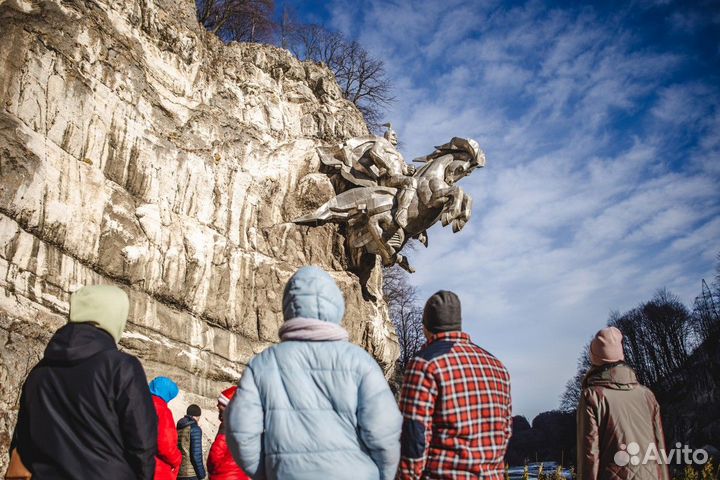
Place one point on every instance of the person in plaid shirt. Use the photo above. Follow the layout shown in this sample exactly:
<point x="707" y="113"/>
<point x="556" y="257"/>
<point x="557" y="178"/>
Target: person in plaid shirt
<point x="455" y="401"/>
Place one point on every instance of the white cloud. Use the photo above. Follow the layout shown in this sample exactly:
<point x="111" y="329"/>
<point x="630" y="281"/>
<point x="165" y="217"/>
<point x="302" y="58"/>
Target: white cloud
<point x="684" y="104"/>
<point x="602" y="178"/>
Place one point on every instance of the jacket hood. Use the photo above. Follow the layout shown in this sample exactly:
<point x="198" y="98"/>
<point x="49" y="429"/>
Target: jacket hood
<point x="312" y="293"/>
<point x="185" y="421"/>
<point x="74" y="343"/>
<point x="618" y="376"/>
<point x="164" y="388"/>
<point x="105" y="306"/>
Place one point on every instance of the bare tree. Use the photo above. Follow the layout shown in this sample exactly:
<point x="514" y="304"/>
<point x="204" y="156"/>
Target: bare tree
<point x="405" y="313"/>
<point x="657" y="340"/>
<point x="362" y="78"/>
<point x="658" y="337"/>
<point x="287" y="27"/>
<point x="238" y="20"/>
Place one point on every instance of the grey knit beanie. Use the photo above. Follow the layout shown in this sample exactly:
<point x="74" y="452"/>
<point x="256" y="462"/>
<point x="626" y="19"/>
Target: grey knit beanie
<point x="442" y="312"/>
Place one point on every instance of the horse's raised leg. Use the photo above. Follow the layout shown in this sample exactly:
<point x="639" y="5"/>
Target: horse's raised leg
<point x="464" y="212"/>
<point x="451" y="209"/>
<point x="467" y="208"/>
<point x="441" y="196"/>
<point x="458" y="201"/>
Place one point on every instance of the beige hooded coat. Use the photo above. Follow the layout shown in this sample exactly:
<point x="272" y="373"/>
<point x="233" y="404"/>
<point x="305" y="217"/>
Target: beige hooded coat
<point x="614" y="412"/>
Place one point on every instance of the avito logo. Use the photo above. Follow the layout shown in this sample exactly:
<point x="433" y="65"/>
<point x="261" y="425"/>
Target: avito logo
<point x="681" y="455"/>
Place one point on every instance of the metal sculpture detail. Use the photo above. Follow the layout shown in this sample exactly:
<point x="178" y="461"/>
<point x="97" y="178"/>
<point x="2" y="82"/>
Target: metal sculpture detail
<point x="388" y="201"/>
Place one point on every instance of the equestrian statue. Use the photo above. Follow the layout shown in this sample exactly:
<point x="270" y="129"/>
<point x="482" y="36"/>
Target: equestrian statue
<point x="386" y="202"/>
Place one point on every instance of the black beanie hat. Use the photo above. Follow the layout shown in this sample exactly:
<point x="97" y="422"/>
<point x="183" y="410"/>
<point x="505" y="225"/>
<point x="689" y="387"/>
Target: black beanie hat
<point x="193" y="410"/>
<point x="442" y="312"/>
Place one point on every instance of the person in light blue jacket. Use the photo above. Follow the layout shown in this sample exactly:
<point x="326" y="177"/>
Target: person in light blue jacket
<point x="314" y="406"/>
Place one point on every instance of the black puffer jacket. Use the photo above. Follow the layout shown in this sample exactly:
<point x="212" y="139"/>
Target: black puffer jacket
<point x="86" y="412"/>
<point x="190" y="444"/>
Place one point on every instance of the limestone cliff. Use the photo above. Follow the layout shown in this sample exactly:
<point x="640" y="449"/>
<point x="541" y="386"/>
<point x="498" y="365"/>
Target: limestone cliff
<point x="137" y="149"/>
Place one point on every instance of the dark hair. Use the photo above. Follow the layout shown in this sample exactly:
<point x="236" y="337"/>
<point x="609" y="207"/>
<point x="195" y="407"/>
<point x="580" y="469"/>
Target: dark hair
<point x="193" y="410"/>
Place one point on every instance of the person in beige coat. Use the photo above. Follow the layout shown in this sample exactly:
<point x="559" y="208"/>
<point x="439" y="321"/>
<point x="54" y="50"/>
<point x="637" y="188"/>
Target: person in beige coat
<point x="618" y="420"/>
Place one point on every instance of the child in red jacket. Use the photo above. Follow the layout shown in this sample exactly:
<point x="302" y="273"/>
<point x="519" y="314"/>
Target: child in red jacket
<point x="168" y="459"/>
<point x="220" y="463"/>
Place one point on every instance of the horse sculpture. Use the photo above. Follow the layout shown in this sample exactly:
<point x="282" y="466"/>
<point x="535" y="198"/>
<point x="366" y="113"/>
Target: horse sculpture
<point x="381" y="210"/>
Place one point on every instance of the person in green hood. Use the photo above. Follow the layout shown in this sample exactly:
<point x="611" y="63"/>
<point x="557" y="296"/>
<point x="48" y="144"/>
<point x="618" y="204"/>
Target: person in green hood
<point x="618" y="419"/>
<point x="85" y="408"/>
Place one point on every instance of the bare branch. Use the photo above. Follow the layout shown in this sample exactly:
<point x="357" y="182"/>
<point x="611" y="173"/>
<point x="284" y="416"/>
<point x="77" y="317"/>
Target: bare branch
<point x="362" y="78"/>
<point x="238" y="20"/>
<point x="405" y="312"/>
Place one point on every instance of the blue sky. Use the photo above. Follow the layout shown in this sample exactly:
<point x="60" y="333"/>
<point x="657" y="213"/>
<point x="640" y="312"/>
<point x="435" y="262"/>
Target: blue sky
<point x="601" y="126"/>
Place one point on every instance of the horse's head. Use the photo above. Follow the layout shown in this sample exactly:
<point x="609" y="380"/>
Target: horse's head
<point x="460" y="157"/>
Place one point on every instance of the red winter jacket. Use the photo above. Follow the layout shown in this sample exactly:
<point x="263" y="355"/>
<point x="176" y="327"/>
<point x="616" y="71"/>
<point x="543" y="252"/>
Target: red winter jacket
<point x="220" y="463"/>
<point x="167" y="461"/>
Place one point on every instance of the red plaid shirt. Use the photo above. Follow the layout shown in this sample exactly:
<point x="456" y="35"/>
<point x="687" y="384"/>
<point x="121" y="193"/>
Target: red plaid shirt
<point x="457" y="412"/>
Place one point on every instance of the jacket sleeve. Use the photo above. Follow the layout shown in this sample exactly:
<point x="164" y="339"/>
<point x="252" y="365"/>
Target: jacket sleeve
<point x="417" y="404"/>
<point x="137" y="419"/>
<point x="244" y="427"/>
<point x="663" y="471"/>
<point x="588" y="438"/>
<point x="196" y="457"/>
<point x="379" y="421"/>
<point x="21" y="427"/>
<point x="21" y="439"/>
<point x="168" y="450"/>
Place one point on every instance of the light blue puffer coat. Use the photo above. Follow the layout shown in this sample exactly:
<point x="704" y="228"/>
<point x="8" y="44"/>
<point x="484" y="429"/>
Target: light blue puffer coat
<point x="314" y="410"/>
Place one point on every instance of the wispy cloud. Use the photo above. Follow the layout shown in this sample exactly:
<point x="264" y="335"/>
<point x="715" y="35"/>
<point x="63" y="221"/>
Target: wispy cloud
<point x="602" y="134"/>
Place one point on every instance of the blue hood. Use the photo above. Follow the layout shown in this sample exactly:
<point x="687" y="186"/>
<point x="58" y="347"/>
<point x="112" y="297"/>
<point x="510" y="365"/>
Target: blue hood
<point x="312" y="293"/>
<point x="164" y="388"/>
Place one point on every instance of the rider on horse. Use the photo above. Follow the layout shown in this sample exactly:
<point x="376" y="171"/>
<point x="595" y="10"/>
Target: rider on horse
<point x="375" y="161"/>
<point x="394" y="172"/>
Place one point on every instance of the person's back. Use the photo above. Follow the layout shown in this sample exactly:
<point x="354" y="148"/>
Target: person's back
<point x="309" y="392"/>
<point x="220" y="463"/>
<point x="615" y="411"/>
<point x="314" y="406"/>
<point x="455" y="402"/>
<point x="190" y="445"/>
<point x="85" y="409"/>
<point x="168" y="458"/>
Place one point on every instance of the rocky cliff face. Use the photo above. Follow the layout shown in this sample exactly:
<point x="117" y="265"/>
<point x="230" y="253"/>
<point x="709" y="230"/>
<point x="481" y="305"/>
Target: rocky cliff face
<point x="136" y="149"/>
